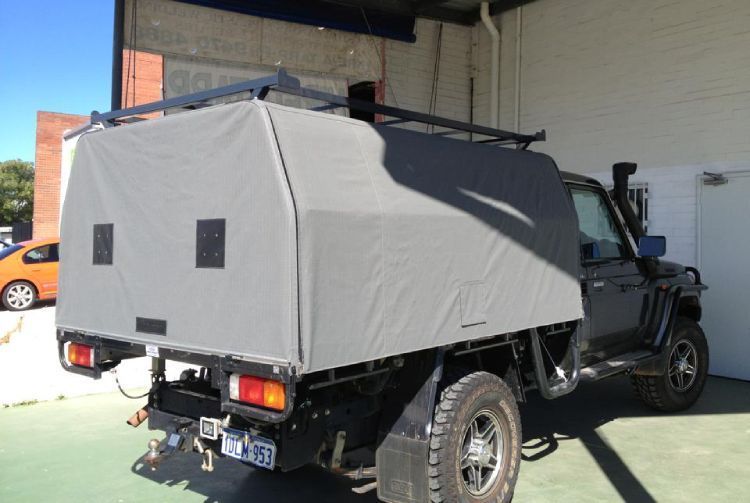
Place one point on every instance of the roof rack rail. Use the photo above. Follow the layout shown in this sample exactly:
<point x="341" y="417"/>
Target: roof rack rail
<point x="284" y="83"/>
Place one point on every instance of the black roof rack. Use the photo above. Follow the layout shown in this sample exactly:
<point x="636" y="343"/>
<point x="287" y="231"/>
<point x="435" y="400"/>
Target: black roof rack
<point x="284" y="83"/>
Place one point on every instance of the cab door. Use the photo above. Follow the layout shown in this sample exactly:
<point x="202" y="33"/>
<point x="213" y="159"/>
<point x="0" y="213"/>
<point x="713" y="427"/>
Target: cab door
<point x="613" y="280"/>
<point x="41" y="264"/>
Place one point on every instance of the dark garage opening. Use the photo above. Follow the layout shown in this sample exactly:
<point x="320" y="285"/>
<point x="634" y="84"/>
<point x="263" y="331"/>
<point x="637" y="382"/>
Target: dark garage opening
<point x="364" y="91"/>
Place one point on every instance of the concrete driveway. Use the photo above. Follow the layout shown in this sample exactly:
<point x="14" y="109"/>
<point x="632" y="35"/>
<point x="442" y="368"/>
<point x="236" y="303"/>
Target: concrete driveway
<point x="598" y="444"/>
<point x="30" y="369"/>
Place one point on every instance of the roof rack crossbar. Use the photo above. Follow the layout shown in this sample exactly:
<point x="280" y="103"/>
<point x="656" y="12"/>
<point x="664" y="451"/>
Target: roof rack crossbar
<point x="258" y="87"/>
<point x="409" y="115"/>
<point x="284" y="83"/>
<point x="323" y="108"/>
<point x="393" y="122"/>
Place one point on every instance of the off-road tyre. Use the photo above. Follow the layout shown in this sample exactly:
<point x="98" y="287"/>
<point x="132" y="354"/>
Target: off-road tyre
<point x="465" y="394"/>
<point x="657" y="391"/>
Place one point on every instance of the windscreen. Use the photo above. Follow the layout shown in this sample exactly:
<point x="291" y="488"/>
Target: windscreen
<point x="7" y="252"/>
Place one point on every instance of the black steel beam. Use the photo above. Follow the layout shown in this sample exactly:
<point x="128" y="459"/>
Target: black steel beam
<point x="407" y="8"/>
<point x="500" y="6"/>
<point x="117" y="46"/>
<point x="420" y="5"/>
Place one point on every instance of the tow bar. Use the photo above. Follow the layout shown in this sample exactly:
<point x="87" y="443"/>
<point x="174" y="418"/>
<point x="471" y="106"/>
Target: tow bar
<point x="155" y="456"/>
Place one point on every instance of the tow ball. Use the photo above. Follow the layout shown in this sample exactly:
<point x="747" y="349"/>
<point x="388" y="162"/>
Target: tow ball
<point x="155" y="456"/>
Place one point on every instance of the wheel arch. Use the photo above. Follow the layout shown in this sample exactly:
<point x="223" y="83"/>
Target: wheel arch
<point x="34" y="287"/>
<point x="502" y="361"/>
<point x="690" y="307"/>
<point x="25" y="280"/>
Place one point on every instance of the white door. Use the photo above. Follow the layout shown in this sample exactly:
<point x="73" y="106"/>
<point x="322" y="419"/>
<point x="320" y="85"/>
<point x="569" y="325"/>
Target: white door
<point x="725" y="268"/>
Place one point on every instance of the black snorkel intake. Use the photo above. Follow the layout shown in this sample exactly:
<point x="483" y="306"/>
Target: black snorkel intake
<point x="621" y="172"/>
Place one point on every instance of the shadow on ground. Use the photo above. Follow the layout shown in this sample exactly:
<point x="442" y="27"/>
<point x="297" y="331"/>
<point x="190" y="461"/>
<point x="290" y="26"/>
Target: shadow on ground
<point x="233" y="482"/>
<point x="38" y="305"/>
<point x="579" y="415"/>
<point x="546" y="424"/>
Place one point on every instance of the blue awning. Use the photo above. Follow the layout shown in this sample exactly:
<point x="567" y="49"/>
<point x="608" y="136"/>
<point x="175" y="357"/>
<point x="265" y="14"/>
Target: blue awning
<point x="319" y="13"/>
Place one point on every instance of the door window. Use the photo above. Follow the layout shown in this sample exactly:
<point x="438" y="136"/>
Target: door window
<point x="41" y="255"/>
<point x="600" y="236"/>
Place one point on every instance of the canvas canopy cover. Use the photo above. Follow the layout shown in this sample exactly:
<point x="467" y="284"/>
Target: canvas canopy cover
<point x="310" y="240"/>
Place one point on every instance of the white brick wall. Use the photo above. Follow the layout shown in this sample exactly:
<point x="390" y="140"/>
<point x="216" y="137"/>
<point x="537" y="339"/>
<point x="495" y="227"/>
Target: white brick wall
<point x="663" y="83"/>
<point x="410" y="69"/>
<point x="673" y="203"/>
<point x="660" y="82"/>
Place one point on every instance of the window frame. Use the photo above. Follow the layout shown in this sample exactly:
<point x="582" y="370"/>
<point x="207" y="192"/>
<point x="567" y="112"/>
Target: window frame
<point x="30" y="262"/>
<point x="614" y="214"/>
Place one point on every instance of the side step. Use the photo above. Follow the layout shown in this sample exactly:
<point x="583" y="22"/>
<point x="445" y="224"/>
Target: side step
<point x="616" y="365"/>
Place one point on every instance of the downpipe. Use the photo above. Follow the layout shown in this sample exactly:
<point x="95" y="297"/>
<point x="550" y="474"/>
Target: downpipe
<point x="574" y="349"/>
<point x="484" y="14"/>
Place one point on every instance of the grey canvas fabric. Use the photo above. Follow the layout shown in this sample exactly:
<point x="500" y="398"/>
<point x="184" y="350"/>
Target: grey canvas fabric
<point x="345" y="241"/>
<point x="154" y="180"/>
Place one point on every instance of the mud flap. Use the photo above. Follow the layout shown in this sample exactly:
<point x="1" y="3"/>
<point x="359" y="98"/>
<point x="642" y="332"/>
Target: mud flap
<point x="402" y="453"/>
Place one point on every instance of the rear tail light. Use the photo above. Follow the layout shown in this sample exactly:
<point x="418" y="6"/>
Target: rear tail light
<point x="81" y="354"/>
<point x="257" y="391"/>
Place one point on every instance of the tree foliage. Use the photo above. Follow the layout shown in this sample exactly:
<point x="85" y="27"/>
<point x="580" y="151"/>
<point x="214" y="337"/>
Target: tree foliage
<point x="16" y="191"/>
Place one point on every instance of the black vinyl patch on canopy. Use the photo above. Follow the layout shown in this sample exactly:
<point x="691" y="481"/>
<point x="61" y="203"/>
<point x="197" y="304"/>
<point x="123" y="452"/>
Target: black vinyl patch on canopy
<point x="103" y="244"/>
<point x="209" y="243"/>
<point x="150" y="326"/>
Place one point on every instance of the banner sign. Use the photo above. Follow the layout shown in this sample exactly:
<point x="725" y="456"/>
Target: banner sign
<point x="184" y="75"/>
<point x="175" y="28"/>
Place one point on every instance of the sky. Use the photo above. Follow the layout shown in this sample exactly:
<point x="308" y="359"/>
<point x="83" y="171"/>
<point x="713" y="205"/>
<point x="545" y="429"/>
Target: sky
<point x="55" y="56"/>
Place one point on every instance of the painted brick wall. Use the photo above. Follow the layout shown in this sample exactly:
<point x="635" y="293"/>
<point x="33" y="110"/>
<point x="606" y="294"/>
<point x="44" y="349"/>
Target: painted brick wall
<point x="142" y="83"/>
<point x="50" y="127"/>
<point x="661" y="82"/>
<point x="142" y="75"/>
<point x="410" y="69"/>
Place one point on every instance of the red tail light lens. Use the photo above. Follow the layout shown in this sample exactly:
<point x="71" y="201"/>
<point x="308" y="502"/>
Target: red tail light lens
<point x="257" y="391"/>
<point x="81" y="354"/>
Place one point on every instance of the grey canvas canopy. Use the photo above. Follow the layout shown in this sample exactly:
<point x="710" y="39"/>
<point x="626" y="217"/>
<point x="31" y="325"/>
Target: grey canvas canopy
<point x="310" y="240"/>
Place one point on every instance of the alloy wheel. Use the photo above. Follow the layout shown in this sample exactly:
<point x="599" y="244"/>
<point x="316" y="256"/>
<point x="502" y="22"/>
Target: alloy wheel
<point x="683" y="362"/>
<point x="20" y="296"/>
<point x="482" y="453"/>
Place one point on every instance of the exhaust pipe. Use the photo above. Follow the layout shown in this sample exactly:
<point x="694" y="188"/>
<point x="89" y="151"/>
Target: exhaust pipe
<point x="621" y="172"/>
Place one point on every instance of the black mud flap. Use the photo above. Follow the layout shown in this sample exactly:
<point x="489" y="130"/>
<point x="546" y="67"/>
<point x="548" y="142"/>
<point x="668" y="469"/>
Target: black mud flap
<point x="403" y="450"/>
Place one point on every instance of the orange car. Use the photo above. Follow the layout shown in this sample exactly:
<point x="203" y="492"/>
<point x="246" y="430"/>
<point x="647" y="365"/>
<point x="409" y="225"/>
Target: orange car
<point x="28" y="273"/>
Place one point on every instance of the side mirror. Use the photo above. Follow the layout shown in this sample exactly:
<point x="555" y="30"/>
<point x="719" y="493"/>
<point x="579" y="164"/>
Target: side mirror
<point x="652" y="246"/>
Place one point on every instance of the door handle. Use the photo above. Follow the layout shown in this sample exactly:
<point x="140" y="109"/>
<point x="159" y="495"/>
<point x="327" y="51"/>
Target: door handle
<point x="598" y="285"/>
